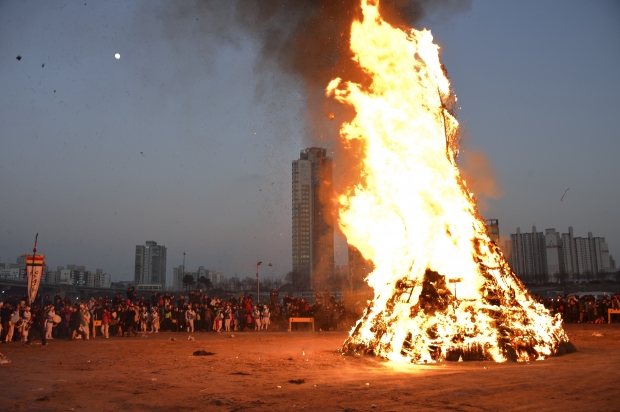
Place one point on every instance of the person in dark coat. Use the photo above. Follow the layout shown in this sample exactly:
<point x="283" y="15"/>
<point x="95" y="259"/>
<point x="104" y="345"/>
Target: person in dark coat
<point x="130" y="321"/>
<point x="65" y="324"/>
<point x="5" y="314"/>
<point x="76" y="319"/>
<point x="40" y="322"/>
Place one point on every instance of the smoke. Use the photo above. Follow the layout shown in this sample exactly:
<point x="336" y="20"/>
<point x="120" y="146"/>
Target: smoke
<point x="309" y="39"/>
<point x="306" y="41"/>
<point x="480" y="176"/>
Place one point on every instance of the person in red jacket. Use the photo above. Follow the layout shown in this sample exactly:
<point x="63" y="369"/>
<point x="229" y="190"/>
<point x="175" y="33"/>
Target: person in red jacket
<point x="105" y="323"/>
<point x="65" y="324"/>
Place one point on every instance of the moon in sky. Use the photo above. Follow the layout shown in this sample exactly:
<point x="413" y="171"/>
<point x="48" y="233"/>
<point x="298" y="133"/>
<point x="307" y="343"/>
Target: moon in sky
<point x="118" y="56"/>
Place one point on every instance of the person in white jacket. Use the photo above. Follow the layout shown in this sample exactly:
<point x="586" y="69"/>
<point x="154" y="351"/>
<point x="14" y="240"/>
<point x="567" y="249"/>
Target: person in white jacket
<point x="49" y="322"/>
<point x="144" y="319"/>
<point x="154" y="320"/>
<point x="25" y="326"/>
<point x="256" y="316"/>
<point x="265" y="317"/>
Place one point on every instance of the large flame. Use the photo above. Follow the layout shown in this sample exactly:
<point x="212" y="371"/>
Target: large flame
<point x="443" y="289"/>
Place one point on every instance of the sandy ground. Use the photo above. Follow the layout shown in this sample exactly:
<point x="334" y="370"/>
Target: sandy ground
<point x="252" y="370"/>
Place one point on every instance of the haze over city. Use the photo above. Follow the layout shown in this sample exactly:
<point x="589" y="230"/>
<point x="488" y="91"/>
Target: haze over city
<point x="187" y="140"/>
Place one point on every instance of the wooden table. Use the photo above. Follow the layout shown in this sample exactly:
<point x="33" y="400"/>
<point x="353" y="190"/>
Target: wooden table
<point x="300" y="320"/>
<point x="612" y="312"/>
<point x="96" y="323"/>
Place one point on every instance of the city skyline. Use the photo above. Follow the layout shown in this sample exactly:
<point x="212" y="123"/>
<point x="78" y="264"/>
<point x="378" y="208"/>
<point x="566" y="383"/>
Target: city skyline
<point x="586" y="255"/>
<point x="551" y="256"/>
<point x="187" y="138"/>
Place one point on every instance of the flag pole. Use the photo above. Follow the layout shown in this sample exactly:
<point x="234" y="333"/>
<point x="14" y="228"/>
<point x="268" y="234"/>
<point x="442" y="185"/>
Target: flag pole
<point x="34" y="253"/>
<point x="258" y="281"/>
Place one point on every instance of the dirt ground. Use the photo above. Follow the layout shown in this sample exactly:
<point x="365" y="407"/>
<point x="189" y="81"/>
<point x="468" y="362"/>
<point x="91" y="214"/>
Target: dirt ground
<point x="253" y="370"/>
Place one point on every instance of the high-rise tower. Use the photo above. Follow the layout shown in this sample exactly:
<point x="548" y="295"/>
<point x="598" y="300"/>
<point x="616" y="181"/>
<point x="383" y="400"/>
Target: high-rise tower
<point x="313" y="221"/>
<point x="150" y="268"/>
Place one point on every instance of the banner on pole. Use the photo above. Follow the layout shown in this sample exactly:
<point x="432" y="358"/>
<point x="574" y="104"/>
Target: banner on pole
<point x="34" y="271"/>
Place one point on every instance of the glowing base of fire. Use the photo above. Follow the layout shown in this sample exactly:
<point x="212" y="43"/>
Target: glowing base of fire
<point x="441" y="327"/>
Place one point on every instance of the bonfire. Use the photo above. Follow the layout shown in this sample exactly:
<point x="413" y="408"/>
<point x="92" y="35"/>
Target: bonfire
<point x="442" y="288"/>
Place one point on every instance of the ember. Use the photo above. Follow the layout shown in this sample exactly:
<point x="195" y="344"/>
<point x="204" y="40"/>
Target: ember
<point x="414" y="217"/>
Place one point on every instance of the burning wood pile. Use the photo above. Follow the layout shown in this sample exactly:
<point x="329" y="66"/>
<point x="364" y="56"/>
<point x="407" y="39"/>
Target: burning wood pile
<point x="443" y="289"/>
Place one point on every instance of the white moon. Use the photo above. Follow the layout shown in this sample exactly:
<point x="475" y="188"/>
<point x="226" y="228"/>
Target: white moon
<point x="118" y="56"/>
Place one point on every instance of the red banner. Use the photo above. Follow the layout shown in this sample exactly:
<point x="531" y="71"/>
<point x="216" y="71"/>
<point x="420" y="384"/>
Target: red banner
<point x="34" y="271"/>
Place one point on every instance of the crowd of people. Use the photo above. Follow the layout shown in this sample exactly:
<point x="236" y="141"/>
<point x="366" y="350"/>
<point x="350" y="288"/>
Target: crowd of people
<point x="60" y="318"/>
<point x="581" y="309"/>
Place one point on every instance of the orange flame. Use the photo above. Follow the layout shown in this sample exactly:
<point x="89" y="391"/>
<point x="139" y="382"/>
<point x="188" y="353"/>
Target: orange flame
<point x="443" y="289"/>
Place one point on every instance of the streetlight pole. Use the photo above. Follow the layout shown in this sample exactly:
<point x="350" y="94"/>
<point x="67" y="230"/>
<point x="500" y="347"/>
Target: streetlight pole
<point x="258" y="282"/>
<point x="273" y="269"/>
<point x="183" y="271"/>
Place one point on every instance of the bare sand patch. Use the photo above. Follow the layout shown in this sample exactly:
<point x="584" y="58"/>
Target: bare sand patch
<point x="255" y="370"/>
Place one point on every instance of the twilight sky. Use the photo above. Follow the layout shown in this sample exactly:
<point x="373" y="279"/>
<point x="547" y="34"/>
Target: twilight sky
<point x="183" y="140"/>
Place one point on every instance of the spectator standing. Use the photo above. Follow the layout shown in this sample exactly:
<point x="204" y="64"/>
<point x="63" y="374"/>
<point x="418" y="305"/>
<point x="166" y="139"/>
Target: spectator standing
<point x="181" y="318"/>
<point x="105" y="323"/>
<point x="76" y="319"/>
<point x="6" y="312"/>
<point x="217" y="323"/>
<point x="85" y="323"/>
<point x="154" y="320"/>
<point x="237" y="317"/>
<point x="265" y="317"/>
<point x="49" y="321"/>
<point x="65" y="323"/>
<point x="174" y="319"/>
<point x="208" y="322"/>
<point x="181" y="302"/>
<point x="130" y="321"/>
<point x="144" y="318"/>
<point x="227" y="318"/>
<point x="40" y="321"/>
<point x="189" y="318"/>
<point x="25" y="326"/>
<point x="256" y="317"/>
